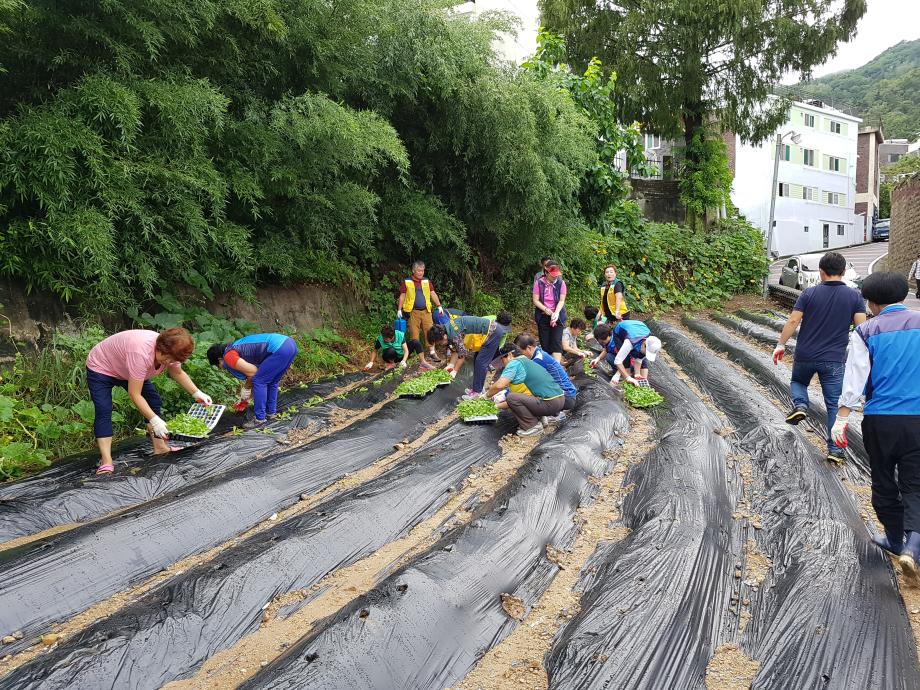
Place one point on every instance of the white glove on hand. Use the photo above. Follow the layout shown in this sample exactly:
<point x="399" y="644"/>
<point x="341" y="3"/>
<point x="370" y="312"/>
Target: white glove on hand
<point x="369" y="366"/>
<point x="453" y="374"/>
<point x="839" y="431"/>
<point x="203" y="398"/>
<point x="441" y="311"/>
<point x="399" y="313"/>
<point x="595" y="362"/>
<point x="500" y="396"/>
<point x="633" y="381"/>
<point x="778" y="353"/>
<point x="616" y="379"/>
<point x="245" y="393"/>
<point x="403" y="364"/>
<point x="159" y="428"/>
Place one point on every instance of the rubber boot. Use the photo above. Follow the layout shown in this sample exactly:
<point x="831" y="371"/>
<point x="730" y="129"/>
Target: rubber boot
<point x="910" y="556"/>
<point x="893" y="547"/>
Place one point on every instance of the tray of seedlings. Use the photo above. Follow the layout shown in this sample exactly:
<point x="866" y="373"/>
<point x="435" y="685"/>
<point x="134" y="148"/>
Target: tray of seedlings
<point x="195" y="424"/>
<point x="481" y="411"/>
<point x="441" y="377"/>
<point x="418" y="387"/>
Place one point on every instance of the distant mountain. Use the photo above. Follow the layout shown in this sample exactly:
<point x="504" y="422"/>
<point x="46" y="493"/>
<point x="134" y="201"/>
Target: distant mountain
<point x="886" y="91"/>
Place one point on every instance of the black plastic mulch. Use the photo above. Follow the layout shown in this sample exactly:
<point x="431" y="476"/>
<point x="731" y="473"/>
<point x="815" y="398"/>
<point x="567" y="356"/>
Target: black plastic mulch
<point x="173" y="629"/>
<point x="829" y="614"/>
<point x="52" y="579"/>
<point x="656" y="604"/>
<point x="428" y="624"/>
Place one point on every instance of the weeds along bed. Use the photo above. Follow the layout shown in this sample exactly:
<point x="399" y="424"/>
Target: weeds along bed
<point x="428" y="624"/>
<point x="54" y="578"/>
<point x="658" y="602"/>
<point x="69" y="492"/>
<point x="827" y="575"/>
<point x="170" y="631"/>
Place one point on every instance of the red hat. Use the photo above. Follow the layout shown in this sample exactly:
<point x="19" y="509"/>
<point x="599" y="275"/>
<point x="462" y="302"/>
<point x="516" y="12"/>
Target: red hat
<point x="554" y="272"/>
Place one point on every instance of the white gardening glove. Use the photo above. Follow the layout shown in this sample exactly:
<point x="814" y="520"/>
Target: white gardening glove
<point x="453" y="373"/>
<point x="203" y="398"/>
<point x="159" y="428"/>
<point x="500" y="396"/>
<point x="633" y="381"/>
<point x="245" y="393"/>
<point x="595" y="362"/>
<point x="616" y="379"/>
<point x="441" y="311"/>
<point x="369" y="366"/>
<point x="778" y="353"/>
<point x="399" y="313"/>
<point x="403" y="364"/>
<point x="839" y="431"/>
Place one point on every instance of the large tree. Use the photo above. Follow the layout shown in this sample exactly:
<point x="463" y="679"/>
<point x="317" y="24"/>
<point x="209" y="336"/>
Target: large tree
<point x="685" y="63"/>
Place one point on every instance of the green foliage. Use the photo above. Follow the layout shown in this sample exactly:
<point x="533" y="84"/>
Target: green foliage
<point x="640" y="397"/>
<point x="884" y="92"/>
<point x="423" y="384"/>
<point x="706" y="180"/>
<point x="683" y="62"/>
<point x="319" y="351"/>
<point x="905" y="166"/>
<point x="187" y="425"/>
<point x="476" y="408"/>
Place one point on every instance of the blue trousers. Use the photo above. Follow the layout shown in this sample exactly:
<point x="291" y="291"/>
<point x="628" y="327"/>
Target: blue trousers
<point x="100" y="390"/>
<point x="269" y="375"/>
<point x="830" y="376"/>
<point x="484" y="358"/>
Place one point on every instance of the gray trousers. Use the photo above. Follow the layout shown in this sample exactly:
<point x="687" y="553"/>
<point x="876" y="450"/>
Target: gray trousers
<point x="527" y="409"/>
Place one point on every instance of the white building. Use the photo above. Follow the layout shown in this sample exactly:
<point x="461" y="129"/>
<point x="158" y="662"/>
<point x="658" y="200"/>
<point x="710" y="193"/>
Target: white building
<point x="514" y="48"/>
<point x="817" y="181"/>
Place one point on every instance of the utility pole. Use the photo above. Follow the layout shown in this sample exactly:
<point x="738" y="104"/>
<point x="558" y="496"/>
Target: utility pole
<point x="796" y="138"/>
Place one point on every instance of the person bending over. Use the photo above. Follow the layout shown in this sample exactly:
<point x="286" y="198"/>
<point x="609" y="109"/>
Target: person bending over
<point x="532" y="393"/>
<point x="260" y="362"/>
<point x="629" y="343"/>
<point x="393" y="347"/>
<point x="481" y="335"/>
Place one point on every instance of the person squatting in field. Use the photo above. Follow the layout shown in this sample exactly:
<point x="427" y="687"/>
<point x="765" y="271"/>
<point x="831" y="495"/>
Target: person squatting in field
<point x="130" y="360"/>
<point x="260" y="362"/>
<point x="628" y="343"/>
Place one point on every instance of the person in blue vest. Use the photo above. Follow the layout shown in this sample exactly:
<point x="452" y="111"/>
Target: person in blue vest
<point x="884" y="364"/>
<point x="527" y="344"/>
<point x="259" y="361"/>
<point x="628" y="344"/>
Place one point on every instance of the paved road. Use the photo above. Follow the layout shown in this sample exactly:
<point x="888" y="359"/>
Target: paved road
<point x="862" y="257"/>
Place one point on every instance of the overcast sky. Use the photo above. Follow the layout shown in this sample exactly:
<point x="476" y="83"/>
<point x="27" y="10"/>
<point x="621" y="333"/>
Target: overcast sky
<point x="884" y="24"/>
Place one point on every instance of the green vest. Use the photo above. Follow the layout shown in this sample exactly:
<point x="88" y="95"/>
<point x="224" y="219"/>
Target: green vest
<point x="395" y="345"/>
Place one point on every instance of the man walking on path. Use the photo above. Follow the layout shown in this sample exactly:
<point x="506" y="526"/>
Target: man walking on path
<point x="884" y="362"/>
<point x="825" y="313"/>
<point x="416" y="296"/>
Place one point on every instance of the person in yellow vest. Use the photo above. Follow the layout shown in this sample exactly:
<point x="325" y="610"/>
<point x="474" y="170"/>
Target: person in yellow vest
<point x="416" y="298"/>
<point x="613" y="297"/>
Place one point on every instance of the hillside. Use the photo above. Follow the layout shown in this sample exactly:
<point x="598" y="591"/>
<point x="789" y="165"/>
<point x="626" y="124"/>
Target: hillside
<point x="885" y="90"/>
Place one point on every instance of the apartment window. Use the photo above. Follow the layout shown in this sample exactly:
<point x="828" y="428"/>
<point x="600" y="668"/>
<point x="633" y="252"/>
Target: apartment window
<point x="836" y="128"/>
<point x="834" y="163"/>
<point x="806" y="228"/>
<point x="787" y="152"/>
<point x="808" y="156"/>
<point x="833" y="198"/>
<point x="840" y="230"/>
<point x="809" y="194"/>
<point x="784" y="189"/>
<point x="809" y="122"/>
<point x="652" y="141"/>
<point x="894" y="157"/>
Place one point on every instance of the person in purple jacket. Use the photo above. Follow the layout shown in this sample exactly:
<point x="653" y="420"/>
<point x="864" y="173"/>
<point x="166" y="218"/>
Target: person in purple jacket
<point x="260" y="362"/>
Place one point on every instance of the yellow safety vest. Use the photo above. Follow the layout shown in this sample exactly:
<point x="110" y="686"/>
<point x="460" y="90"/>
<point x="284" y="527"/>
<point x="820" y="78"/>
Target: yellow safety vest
<point x="409" y="302"/>
<point x="612" y="302"/>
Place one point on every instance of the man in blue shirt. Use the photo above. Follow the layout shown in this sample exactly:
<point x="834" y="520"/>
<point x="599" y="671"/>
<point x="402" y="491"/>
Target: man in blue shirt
<point x="825" y="313"/>
<point x="528" y="346"/>
<point x="884" y="363"/>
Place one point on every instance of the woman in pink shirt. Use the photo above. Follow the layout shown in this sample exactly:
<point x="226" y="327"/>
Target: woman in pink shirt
<point x="549" y="292"/>
<point x="129" y="360"/>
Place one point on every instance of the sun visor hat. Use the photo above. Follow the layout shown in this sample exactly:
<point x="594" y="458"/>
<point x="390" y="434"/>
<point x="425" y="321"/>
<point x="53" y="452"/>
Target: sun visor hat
<point x="554" y="272"/>
<point x="652" y="348"/>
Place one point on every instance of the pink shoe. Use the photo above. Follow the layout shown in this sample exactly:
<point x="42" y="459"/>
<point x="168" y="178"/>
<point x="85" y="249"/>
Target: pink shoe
<point x="425" y="366"/>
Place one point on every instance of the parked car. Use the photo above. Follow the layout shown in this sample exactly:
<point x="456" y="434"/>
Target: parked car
<point x="880" y="230"/>
<point x="801" y="272"/>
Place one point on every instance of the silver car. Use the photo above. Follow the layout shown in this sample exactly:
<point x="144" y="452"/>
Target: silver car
<point x="801" y="272"/>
